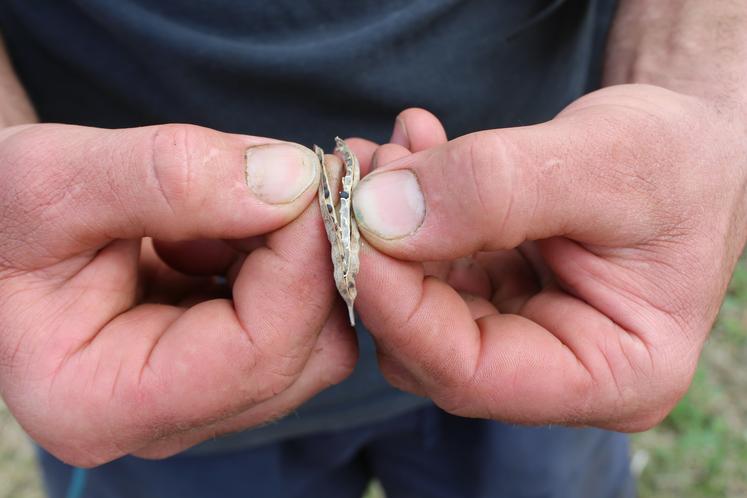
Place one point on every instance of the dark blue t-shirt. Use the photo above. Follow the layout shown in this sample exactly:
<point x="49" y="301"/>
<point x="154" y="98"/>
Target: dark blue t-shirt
<point x="306" y="71"/>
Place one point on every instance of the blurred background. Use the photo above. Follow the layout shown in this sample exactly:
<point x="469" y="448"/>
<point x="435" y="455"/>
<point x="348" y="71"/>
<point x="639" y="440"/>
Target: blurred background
<point x="699" y="451"/>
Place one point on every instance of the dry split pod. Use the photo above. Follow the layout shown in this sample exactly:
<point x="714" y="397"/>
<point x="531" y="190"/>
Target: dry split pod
<point x="340" y="225"/>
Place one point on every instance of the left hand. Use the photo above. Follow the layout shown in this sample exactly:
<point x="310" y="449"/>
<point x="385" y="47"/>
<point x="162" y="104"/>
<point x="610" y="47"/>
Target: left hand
<point x="636" y="198"/>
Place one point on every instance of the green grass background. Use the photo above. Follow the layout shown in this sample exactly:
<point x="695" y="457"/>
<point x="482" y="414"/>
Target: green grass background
<point x="699" y="451"/>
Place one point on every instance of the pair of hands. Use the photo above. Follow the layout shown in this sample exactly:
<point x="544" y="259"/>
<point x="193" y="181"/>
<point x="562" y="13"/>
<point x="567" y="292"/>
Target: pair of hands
<point x="566" y="272"/>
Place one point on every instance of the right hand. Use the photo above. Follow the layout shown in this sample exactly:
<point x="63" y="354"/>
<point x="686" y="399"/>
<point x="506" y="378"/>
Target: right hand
<point x="105" y="350"/>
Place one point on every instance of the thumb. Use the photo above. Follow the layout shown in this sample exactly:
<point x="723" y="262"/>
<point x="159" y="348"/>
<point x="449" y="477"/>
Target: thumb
<point x="171" y="182"/>
<point x="495" y="189"/>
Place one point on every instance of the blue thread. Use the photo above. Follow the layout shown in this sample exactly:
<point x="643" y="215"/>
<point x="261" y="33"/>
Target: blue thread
<point x="77" y="483"/>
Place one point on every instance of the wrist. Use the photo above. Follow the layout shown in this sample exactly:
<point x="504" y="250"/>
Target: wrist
<point x="689" y="46"/>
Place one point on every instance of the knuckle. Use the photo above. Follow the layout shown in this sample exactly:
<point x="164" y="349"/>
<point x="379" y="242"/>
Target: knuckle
<point x="72" y="453"/>
<point x="647" y="410"/>
<point x="481" y="151"/>
<point x="158" y="451"/>
<point x="343" y="366"/>
<point x="394" y="372"/>
<point x="273" y="373"/>
<point x="649" y="420"/>
<point x="172" y="162"/>
<point x="340" y="371"/>
<point x="456" y="403"/>
<point x="643" y="419"/>
<point x="488" y="180"/>
<point x="451" y="388"/>
<point x="283" y="373"/>
<point x="670" y="393"/>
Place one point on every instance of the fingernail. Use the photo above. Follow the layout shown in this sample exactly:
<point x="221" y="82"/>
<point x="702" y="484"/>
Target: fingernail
<point x="389" y="204"/>
<point x="279" y="173"/>
<point x="399" y="134"/>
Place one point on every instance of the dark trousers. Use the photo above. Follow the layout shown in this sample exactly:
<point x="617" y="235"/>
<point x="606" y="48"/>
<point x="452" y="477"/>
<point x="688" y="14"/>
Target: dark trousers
<point x="423" y="454"/>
